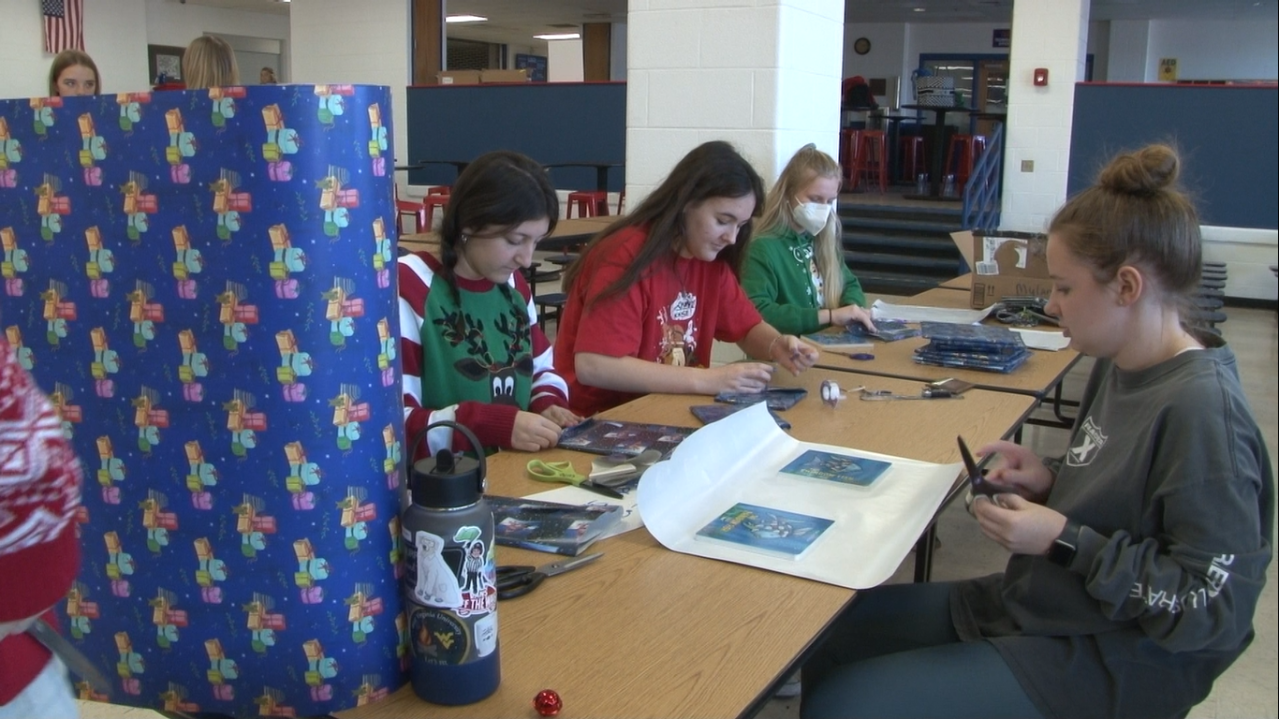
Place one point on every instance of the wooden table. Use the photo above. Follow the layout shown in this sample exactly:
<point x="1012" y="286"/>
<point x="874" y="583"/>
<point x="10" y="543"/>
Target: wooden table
<point x="1037" y="377"/>
<point x="576" y="229"/>
<point x="963" y="282"/>
<point x="647" y="632"/>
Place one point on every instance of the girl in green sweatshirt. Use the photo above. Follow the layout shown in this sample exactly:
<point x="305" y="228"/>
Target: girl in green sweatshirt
<point x="795" y="272"/>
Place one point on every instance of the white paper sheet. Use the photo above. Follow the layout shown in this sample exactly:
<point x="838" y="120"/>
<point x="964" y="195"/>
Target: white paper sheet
<point x="738" y="459"/>
<point x="881" y="310"/>
<point x="1043" y="339"/>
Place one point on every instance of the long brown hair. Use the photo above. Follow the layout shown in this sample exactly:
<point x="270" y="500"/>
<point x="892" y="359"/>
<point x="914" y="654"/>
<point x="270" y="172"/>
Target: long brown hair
<point x="808" y="164"/>
<point x="72" y="58"/>
<point x="209" y="61"/>
<point x="502" y="189"/>
<point x="1135" y="214"/>
<point x="712" y="169"/>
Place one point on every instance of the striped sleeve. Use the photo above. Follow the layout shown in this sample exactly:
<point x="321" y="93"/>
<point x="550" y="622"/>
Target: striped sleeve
<point x="492" y="424"/>
<point x="549" y="388"/>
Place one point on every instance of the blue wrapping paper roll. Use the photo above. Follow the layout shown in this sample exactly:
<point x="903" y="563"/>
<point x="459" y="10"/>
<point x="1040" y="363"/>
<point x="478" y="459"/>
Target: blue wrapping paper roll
<point x="203" y="281"/>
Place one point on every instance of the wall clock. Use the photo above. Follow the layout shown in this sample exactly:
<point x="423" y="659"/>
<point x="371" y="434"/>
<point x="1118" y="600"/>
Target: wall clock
<point x="861" y="46"/>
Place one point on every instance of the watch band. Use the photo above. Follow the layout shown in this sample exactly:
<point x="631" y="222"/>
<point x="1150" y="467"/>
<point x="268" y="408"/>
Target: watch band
<point x="1062" y="551"/>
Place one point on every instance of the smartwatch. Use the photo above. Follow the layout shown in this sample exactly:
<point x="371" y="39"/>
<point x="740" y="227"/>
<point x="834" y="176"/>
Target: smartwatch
<point x="1062" y="551"/>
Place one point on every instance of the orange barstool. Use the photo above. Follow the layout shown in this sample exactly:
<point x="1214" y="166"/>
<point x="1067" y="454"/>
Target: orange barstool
<point x="430" y="202"/>
<point x="913" y="160"/>
<point x="962" y="155"/>
<point x="872" y="159"/>
<point x="592" y="203"/>
<point x="848" y="140"/>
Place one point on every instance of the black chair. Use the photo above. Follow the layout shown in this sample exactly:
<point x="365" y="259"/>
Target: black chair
<point x="549" y="307"/>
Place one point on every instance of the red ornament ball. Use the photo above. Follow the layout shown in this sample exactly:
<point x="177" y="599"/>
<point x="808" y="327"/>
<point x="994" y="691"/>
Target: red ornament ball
<point x="547" y="703"/>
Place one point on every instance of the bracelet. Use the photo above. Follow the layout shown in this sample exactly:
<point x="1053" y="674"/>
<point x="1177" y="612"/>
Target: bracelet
<point x="770" y="345"/>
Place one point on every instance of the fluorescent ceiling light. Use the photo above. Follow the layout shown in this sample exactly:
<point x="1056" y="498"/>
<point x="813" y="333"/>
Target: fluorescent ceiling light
<point x="560" y="36"/>
<point x="465" y="18"/>
<point x="919" y="9"/>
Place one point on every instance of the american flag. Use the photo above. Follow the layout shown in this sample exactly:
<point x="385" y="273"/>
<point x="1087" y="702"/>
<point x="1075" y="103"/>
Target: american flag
<point x="63" y="25"/>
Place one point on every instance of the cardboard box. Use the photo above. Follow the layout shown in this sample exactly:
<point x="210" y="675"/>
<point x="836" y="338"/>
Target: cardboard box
<point x="1004" y="264"/>
<point x="520" y="75"/>
<point x="458" y="77"/>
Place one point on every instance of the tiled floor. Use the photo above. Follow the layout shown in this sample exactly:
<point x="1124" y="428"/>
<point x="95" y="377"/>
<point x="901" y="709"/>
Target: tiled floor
<point x="1249" y="689"/>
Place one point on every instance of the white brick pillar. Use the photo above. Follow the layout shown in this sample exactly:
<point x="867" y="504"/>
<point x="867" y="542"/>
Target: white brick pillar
<point x="1050" y="34"/>
<point x="762" y="74"/>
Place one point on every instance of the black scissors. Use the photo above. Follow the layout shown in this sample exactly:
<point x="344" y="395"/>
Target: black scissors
<point x="516" y="581"/>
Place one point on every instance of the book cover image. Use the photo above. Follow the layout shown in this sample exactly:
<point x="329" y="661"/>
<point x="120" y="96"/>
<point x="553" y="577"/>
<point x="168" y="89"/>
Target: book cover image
<point x="841" y="468"/>
<point x="838" y="339"/>
<point x="886" y="330"/>
<point x="778" y="398"/>
<point x="769" y="531"/>
<point x="606" y="436"/>
<point x="550" y="527"/>
<point x="708" y="413"/>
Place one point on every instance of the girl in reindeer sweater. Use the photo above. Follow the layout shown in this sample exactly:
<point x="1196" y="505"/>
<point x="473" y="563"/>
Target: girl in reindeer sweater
<point x="472" y="349"/>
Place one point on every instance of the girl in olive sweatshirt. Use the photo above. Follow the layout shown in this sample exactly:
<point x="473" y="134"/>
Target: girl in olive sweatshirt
<point x="1138" y="556"/>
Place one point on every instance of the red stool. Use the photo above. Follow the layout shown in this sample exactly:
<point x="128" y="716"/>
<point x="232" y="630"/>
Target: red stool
<point x="872" y="159"/>
<point x="409" y="207"/>
<point x="439" y="190"/>
<point x="592" y="203"/>
<point x="430" y="202"/>
<point x="913" y="160"/>
<point x="848" y="141"/>
<point x="965" y="149"/>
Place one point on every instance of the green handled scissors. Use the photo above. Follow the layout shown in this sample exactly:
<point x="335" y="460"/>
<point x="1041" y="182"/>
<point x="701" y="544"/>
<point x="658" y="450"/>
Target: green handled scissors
<point x="563" y="472"/>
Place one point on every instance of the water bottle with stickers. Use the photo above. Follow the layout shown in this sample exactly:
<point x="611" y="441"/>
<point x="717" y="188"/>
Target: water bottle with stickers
<point x="450" y="587"/>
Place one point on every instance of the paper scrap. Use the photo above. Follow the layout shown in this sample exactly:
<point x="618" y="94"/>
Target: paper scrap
<point x="1043" y="339"/>
<point x="918" y="313"/>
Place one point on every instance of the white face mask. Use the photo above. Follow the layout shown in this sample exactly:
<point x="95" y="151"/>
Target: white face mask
<point x="811" y="216"/>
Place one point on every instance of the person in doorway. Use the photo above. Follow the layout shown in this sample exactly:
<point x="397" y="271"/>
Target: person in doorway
<point x="73" y="73"/>
<point x="472" y="349"/>
<point x="653" y="289"/>
<point x="1137" y="557"/>
<point x="209" y="61"/>
<point x="795" y="271"/>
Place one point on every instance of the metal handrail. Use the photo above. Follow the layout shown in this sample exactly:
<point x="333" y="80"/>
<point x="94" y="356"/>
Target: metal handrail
<point x="982" y="192"/>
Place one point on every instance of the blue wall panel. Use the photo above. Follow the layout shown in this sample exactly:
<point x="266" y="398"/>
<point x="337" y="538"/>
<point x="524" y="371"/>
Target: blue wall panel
<point x="556" y="122"/>
<point x="1227" y="136"/>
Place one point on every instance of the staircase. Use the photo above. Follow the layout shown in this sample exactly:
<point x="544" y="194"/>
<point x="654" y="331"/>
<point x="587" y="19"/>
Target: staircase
<point x="901" y="250"/>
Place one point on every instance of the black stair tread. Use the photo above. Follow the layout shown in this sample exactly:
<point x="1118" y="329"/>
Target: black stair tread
<point x="900" y="225"/>
<point x="891" y="283"/>
<point x="890" y="243"/>
<point x="925" y="266"/>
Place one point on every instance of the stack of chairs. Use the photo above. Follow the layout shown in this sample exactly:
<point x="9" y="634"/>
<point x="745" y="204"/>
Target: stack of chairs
<point x="1209" y="299"/>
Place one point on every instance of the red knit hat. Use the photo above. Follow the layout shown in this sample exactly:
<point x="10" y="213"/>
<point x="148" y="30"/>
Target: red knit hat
<point x="39" y="493"/>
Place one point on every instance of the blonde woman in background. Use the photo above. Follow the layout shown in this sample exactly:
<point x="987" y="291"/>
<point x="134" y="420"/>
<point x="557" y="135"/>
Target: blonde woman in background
<point x="209" y="62"/>
<point x="795" y="272"/>
<point x="73" y="73"/>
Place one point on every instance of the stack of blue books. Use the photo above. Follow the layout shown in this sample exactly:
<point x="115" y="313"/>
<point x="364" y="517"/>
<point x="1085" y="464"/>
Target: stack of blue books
<point x="984" y="347"/>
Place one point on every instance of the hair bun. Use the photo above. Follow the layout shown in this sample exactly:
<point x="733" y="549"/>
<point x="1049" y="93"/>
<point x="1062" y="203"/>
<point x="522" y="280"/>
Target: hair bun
<point x="1152" y="169"/>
